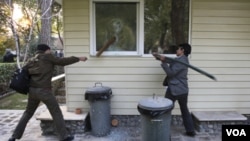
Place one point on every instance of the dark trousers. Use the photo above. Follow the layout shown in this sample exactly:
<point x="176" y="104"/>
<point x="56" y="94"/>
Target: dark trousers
<point x="186" y="116"/>
<point x="36" y="95"/>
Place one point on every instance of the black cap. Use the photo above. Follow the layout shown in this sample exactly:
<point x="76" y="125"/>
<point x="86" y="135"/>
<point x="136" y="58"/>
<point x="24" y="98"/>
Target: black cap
<point x="42" y="47"/>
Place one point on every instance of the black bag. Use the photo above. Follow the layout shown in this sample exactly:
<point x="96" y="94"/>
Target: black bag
<point x="165" y="81"/>
<point x="20" y="81"/>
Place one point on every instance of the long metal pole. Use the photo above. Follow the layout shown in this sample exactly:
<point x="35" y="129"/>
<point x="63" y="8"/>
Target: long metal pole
<point x="193" y="67"/>
<point x="157" y="56"/>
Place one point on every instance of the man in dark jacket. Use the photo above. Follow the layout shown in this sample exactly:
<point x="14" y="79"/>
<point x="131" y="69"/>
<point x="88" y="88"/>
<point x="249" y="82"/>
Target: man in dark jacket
<point x="178" y="83"/>
<point x="8" y="57"/>
<point x="41" y="70"/>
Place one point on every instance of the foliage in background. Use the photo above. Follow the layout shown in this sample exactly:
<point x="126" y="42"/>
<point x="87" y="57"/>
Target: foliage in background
<point x="3" y="18"/>
<point x="6" y="42"/>
<point x="27" y="30"/>
<point x="6" y="72"/>
<point x="165" y="24"/>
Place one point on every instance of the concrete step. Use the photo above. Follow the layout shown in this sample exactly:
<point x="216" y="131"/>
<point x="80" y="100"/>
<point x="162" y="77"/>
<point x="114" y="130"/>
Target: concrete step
<point x="218" y="116"/>
<point x="45" y="115"/>
<point x="75" y="122"/>
<point x="211" y="121"/>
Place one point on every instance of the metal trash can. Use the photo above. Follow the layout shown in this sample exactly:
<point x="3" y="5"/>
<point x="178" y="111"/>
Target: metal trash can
<point x="99" y="100"/>
<point x="155" y="118"/>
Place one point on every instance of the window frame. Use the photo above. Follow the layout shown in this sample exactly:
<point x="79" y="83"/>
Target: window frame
<point x="139" y="32"/>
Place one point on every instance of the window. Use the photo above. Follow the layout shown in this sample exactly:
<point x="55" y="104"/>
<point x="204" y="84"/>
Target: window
<point x="116" y="22"/>
<point x="137" y="27"/>
<point x="166" y="23"/>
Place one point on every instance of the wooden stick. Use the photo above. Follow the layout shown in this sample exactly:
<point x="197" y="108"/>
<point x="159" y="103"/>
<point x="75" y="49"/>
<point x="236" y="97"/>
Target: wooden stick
<point x="110" y="41"/>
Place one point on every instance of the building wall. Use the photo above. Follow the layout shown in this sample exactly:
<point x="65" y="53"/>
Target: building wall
<point x="220" y="37"/>
<point x="221" y="45"/>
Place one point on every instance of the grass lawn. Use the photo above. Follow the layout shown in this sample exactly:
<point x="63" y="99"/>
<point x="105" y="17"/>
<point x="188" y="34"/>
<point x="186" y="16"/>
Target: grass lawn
<point x="14" y="101"/>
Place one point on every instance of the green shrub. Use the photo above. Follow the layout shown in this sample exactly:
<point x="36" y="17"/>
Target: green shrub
<point x="6" y="72"/>
<point x="1" y="58"/>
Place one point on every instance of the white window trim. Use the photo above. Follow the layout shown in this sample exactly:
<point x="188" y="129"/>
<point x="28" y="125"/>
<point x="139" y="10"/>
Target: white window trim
<point x="139" y="32"/>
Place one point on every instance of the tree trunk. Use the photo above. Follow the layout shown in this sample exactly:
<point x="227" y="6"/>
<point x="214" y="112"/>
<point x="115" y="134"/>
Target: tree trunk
<point x="177" y="20"/>
<point x="45" y="34"/>
<point x="58" y="30"/>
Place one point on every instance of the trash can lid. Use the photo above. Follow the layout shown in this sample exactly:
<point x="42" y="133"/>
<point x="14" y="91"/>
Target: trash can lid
<point x="155" y="103"/>
<point x="98" y="92"/>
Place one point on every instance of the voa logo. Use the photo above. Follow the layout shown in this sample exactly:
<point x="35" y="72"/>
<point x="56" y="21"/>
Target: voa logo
<point x="236" y="132"/>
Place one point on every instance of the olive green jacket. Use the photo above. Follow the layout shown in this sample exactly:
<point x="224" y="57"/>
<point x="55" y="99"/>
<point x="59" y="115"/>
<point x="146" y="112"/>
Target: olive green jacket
<point x="41" y="68"/>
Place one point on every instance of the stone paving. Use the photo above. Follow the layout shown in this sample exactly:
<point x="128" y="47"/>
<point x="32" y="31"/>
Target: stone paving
<point x="9" y="119"/>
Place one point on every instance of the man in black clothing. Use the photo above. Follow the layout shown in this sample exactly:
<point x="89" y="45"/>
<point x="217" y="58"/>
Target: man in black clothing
<point x="8" y="57"/>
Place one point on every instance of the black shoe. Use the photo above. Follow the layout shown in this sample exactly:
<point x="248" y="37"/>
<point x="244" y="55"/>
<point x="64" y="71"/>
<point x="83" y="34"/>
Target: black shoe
<point x="191" y="134"/>
<point x="11" y="139"/>
<point x="69" y="138"/>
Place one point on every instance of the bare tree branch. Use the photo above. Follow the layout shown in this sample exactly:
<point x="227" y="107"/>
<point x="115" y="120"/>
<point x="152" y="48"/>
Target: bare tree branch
<point x="33" y="23"/>
<point x="14" y="32"/>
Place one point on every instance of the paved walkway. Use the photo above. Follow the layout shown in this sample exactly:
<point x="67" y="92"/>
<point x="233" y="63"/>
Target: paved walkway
<point x="9" y="119"/>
